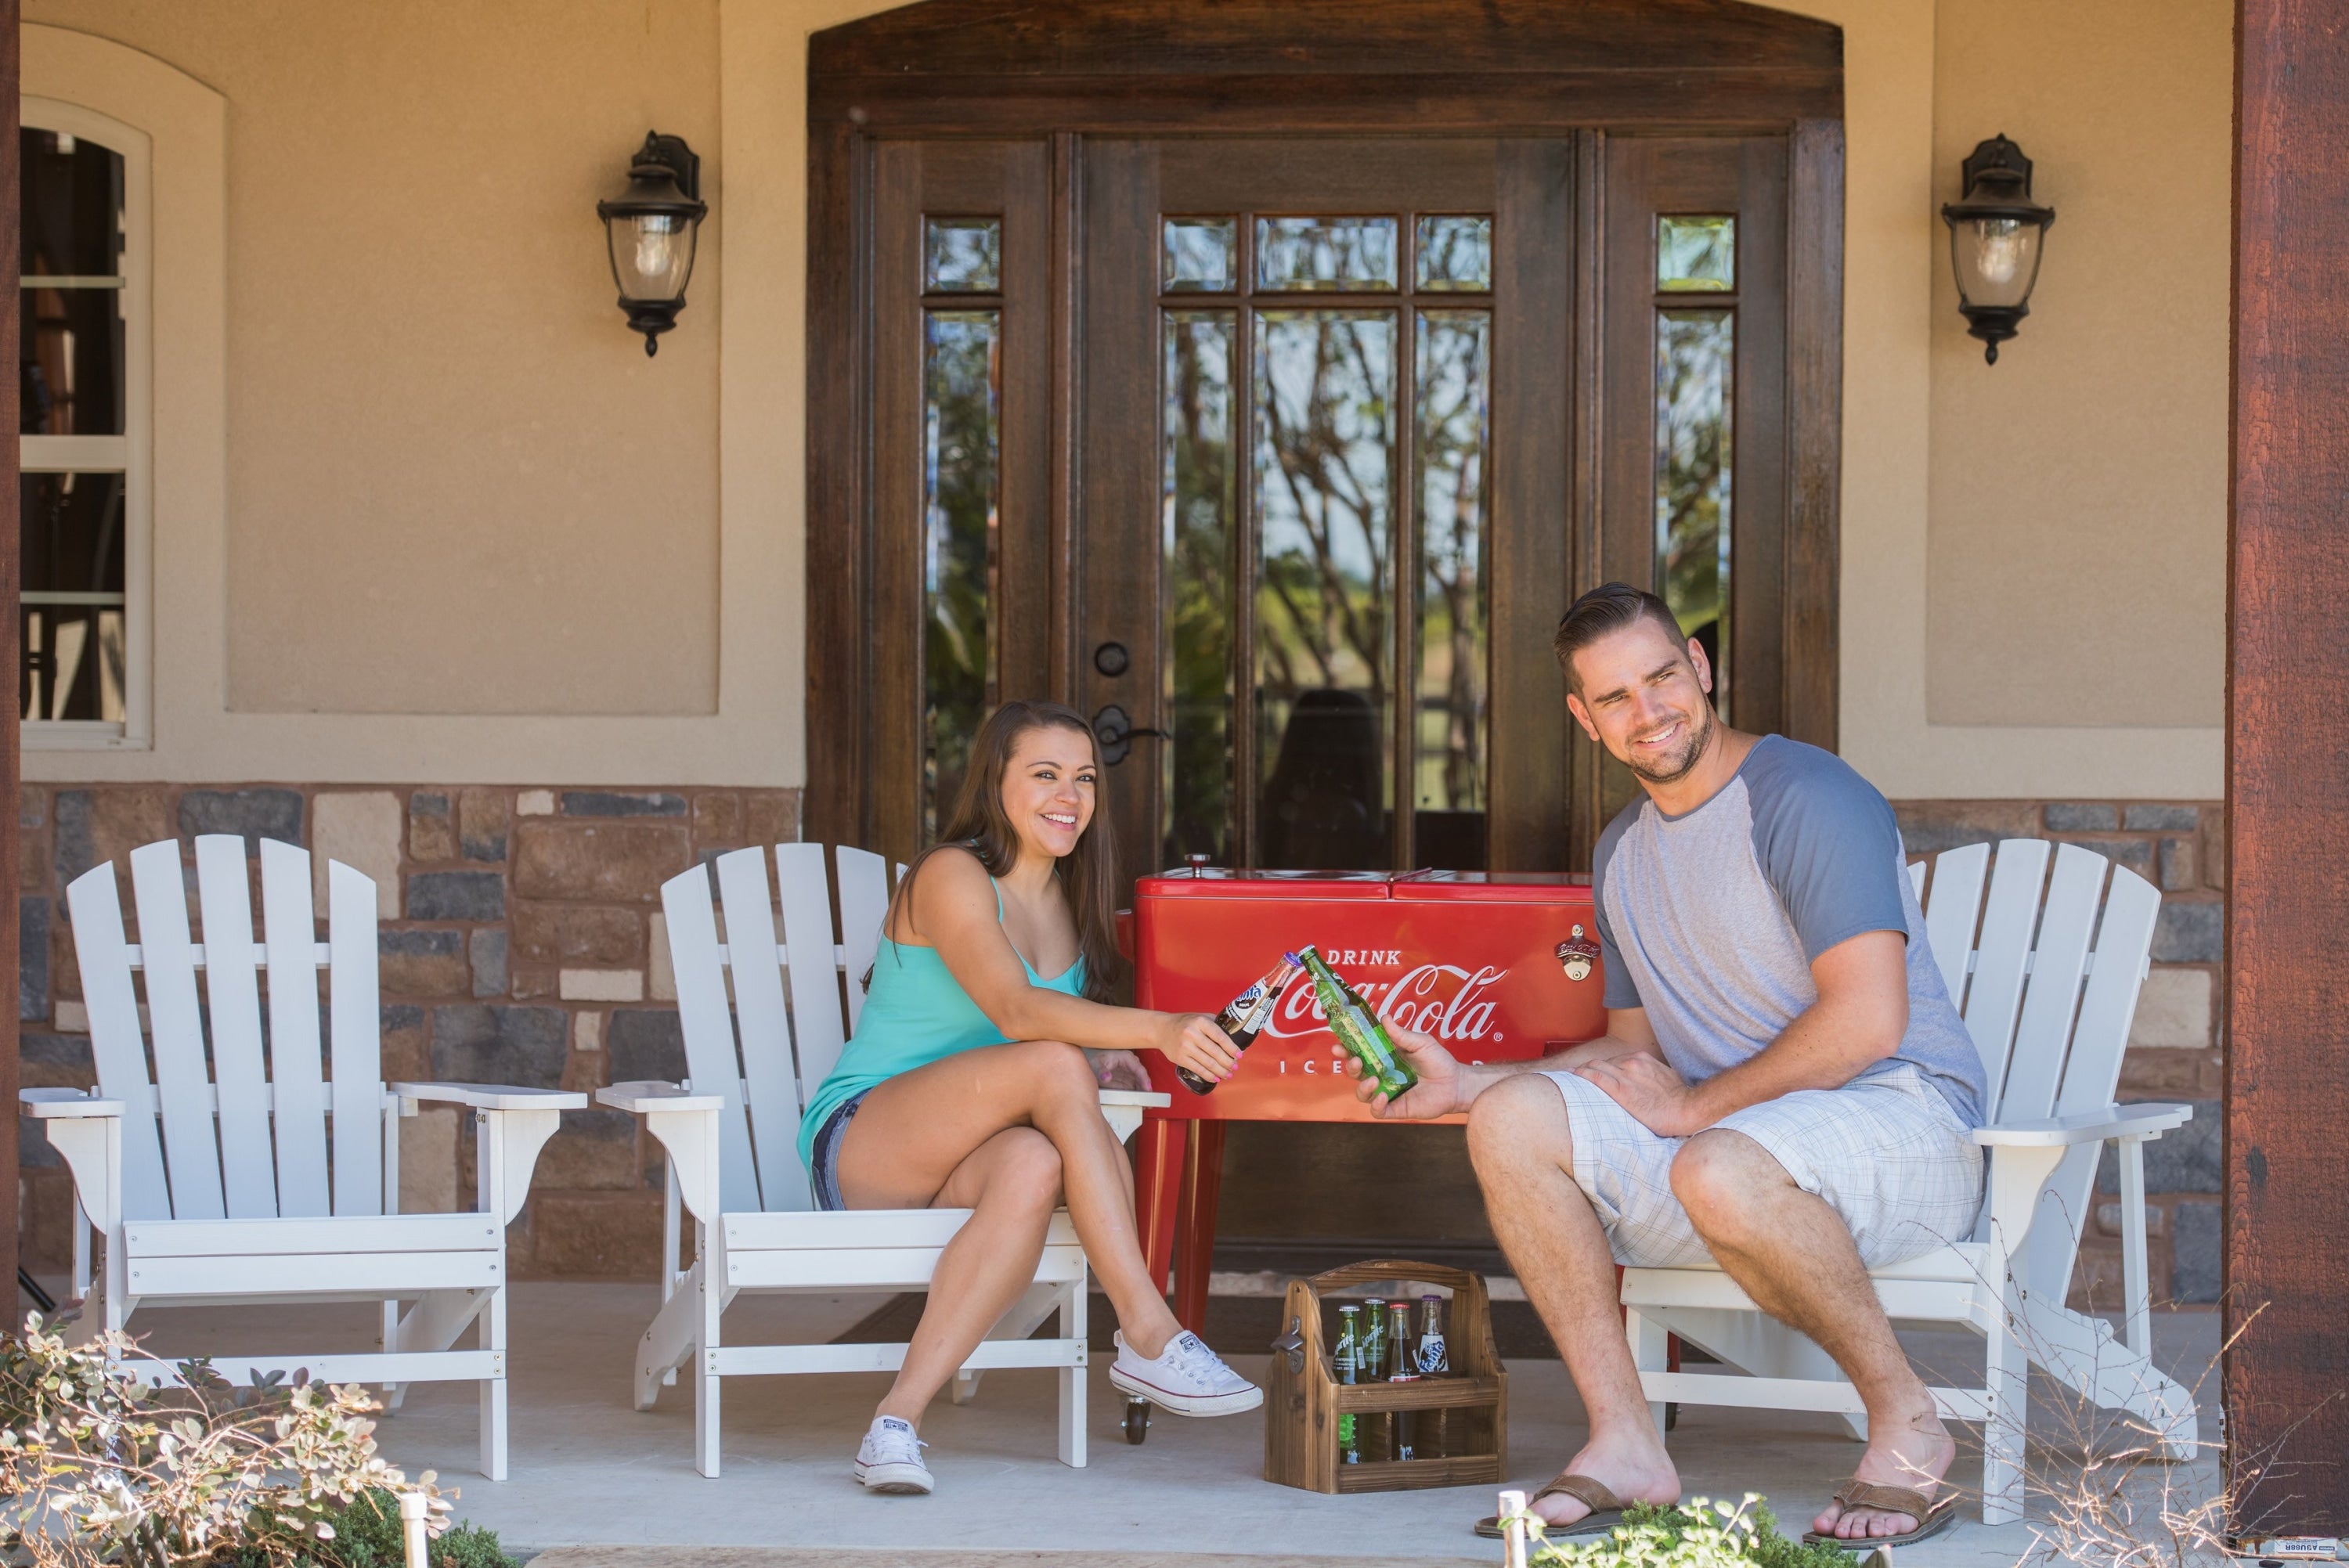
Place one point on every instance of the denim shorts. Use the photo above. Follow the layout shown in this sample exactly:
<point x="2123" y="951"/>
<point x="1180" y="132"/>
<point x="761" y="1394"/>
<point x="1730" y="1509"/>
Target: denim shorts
<point x="823" y="1176"/>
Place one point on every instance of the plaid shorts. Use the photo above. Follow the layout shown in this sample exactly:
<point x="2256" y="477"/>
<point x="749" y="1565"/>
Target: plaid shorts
<point x="1885" y="1151"/>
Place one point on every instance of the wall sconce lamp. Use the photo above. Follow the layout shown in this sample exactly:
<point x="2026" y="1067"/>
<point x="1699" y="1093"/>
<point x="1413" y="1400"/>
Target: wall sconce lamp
<point x="1996" y="230"/>
<point x="651" y="231"/>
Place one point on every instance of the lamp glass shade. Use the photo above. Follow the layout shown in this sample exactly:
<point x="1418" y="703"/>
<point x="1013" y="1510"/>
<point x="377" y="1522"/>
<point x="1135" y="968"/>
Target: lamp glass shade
<point x="652" y="254"/>
<point x="1996" y="259"/>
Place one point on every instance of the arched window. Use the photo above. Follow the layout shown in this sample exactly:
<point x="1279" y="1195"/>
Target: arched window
<point x="84" y="388"/>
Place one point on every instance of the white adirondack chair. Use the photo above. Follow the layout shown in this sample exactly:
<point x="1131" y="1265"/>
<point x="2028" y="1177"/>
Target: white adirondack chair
<point x="729" y="1130"/>
<point x="204" y="1215"/>
<point x="2047" y="990"/>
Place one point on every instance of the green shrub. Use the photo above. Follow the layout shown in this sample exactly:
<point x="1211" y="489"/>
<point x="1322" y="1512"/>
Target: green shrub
<point x="367" y="1534"/>
<point x="1701" y="1533"/>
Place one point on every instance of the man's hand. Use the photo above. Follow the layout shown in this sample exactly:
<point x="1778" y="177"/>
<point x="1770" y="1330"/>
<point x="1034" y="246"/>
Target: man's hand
<point x="1653" y="1093"/>
<point x="1438" y="1091"/>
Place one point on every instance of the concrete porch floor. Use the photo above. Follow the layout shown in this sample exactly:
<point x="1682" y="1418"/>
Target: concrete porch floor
<point x="588" y="1471"/>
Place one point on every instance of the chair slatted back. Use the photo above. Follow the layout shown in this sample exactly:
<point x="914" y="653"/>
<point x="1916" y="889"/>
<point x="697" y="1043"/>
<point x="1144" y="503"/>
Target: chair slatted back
<point x="2048" y="990"/>
<point x="216" y="1104"/>
<point x="297" y="1073"/>
<point x="783" y="1032"/>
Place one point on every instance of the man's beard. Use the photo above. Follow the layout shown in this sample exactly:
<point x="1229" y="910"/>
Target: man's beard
<point x="1673" y="769"/>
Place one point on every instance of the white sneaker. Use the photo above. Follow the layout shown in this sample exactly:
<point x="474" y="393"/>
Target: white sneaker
<point x="890" y="1459"/>
<point x="1187" y="1378"/>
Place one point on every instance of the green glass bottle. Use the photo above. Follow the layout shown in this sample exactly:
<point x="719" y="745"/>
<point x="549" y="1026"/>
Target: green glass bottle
<point x="1356" y="1027"/>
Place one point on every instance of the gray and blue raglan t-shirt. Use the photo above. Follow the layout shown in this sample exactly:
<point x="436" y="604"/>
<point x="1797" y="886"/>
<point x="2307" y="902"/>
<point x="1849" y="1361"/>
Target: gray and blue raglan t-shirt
<point x="1710" y="919"/>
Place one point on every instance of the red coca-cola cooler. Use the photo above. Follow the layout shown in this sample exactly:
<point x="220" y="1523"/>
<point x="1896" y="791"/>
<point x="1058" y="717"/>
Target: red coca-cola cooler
<point x="1499" y="967"/>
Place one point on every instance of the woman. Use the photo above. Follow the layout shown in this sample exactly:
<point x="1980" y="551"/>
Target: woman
<point x="967" y="1086"/>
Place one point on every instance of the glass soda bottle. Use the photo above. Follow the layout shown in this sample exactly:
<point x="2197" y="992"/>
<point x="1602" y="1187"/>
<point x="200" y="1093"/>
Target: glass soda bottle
<point x="1246" y="1015"/>
<point x="1371" y="1355"/>
<point x="1398" y="1359"/>
<point x="1356" y="1027"/>
<point x="1433" y="1357"/>
<point x="1350" y="1445"/>
<point x="1347" y="1352"/>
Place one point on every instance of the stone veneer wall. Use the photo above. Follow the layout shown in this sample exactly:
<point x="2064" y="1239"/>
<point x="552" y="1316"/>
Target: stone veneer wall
<point x="2176" y="1048"/>
<point x="520" y="942"/>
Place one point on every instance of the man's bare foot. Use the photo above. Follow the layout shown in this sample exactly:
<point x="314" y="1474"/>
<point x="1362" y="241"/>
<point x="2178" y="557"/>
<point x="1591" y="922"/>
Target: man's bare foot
<point x="1632" y="1463"/>
<point x="1914" y="1454"/>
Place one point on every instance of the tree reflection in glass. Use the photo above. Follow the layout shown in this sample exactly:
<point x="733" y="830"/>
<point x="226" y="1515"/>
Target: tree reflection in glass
<point x="1199" y="498"/>
<point x="961" y="396"/>
<point x="1324" y="443"/>
<point x="1696" y="354"/>
<point x="1450" y="416"/>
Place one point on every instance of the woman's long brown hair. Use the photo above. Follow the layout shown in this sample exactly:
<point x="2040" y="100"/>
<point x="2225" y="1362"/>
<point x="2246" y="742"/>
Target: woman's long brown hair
<point x="1088" y="873"/>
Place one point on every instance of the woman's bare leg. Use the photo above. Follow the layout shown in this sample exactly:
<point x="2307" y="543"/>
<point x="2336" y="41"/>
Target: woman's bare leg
<point x="1011" y="1184"/>
<point x="913" y="1133"/>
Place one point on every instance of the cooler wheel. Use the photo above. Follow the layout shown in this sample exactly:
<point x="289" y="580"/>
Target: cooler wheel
<point x="1137" y="1420"/>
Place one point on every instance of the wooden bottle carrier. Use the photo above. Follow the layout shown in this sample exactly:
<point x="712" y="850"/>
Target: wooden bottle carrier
<point x="1466" y="1412"/>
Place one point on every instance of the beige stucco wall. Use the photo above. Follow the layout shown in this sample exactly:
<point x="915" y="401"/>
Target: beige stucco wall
<point x="453" y="486"/>
<point x="504" y="573"/>
<point x="2079" y="487"/>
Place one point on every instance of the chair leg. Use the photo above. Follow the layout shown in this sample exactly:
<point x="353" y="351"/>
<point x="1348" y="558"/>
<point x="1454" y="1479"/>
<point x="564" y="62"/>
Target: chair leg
<point x="1072" y="1378"/>
<point x="709" y="1304"/>
<point x="669" y="1341"/>
<point x="393" y="1393"/>
<point x="1651" y="1352"/>
<point x="2006" y="1387"/>
<point x="493" y="1389"/>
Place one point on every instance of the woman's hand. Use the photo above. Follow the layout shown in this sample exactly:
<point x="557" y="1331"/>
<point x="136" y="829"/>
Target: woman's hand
<point x="1118" y="1069"/>
<point x="1192" y="1041"/>
<point x="1437" y="1093"/>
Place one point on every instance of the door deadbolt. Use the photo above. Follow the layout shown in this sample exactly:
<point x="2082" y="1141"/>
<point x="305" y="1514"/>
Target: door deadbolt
<point x="1111" y="659"/>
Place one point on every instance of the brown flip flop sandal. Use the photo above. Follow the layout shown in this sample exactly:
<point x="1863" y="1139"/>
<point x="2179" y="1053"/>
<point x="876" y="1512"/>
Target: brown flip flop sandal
<point x="1605" y="1509"/>
<point x="1932" y="1517"/>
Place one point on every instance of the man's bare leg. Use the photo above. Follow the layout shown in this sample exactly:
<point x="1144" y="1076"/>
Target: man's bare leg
<point x="1794" y="1255"/>
<point x="1522" y="1144"/>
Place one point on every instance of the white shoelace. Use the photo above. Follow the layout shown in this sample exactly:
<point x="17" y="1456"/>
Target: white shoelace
<point x="894" y="1446"/>
<point x="1191" y="1358"/>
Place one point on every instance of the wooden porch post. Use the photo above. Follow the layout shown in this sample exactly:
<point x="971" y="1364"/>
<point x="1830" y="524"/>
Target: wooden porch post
<point x="2287" y="1423"/>
<point x="10" y="537"/>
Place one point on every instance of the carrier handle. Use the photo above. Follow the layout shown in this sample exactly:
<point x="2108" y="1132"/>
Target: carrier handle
<point x="1460" y="1280"/>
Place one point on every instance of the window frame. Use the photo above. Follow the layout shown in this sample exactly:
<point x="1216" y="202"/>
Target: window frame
<point x="131" y="453"/>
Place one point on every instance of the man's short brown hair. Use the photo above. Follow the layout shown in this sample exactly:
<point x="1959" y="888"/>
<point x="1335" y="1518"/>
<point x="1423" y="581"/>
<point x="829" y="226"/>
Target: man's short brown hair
<point x="1607" y="608"/>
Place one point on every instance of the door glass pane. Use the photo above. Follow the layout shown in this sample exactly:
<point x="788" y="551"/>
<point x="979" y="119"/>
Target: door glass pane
<point x="1449" y="718"/>
<point x="960" y="398"/>
<point x="1455" y="255"/>
<point x="71" y="644"/>
<point x="1324" y="465"/>
<point x="1696" y="255"/>
<point x="1202" y="255"/>
<point x="1696" y="354"/>
<point x="962" y="255"/>
<point x="1201" y="489"/>
<point x="1325" y="254"/>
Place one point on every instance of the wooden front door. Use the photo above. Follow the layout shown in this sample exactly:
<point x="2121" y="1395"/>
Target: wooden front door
<point x="1344" y="440"/>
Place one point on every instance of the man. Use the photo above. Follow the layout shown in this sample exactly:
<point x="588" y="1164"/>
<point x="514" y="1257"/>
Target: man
<point x="1783" y="1086"/>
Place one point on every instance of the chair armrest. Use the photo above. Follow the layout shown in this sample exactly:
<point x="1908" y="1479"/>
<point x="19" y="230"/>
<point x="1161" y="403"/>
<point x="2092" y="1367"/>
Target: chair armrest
<point x="643" y="1095"/>
<point x="493" y="1096"/>
<point x="1122" y="1108"/>
<point x="2140" y="1121"/>
<point x="46" y="1103"/>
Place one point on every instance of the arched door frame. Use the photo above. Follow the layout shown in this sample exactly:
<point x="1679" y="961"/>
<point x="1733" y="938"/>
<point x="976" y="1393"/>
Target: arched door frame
<point x="1063" y="70"/>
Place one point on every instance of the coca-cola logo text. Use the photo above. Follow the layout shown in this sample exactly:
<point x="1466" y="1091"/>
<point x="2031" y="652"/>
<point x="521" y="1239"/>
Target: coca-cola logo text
<point x="1444" y="1000"/>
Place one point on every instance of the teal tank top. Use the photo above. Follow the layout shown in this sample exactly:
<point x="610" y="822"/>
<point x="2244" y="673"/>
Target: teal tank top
<point x="917" y="1013"/>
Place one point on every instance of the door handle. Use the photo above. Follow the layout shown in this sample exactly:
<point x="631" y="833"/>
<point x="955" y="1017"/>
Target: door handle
<point x="1115" y="731"/>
